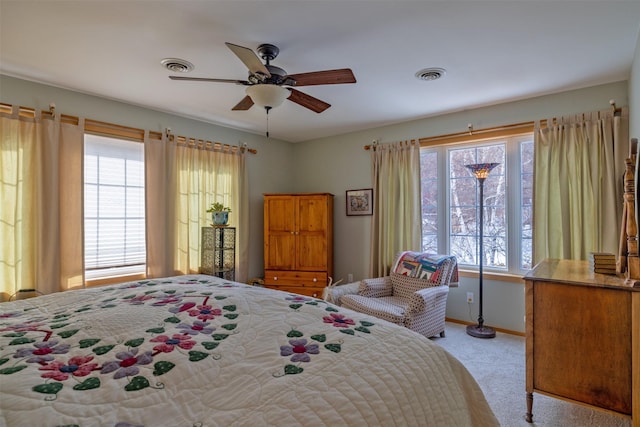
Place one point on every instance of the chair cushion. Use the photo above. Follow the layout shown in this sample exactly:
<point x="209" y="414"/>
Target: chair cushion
<point x="376" y="288"/>
<point x="391" y="308"/>
<point x="404" y="287"/>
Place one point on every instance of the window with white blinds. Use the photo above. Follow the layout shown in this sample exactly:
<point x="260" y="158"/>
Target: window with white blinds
<point x="114" y="207"/>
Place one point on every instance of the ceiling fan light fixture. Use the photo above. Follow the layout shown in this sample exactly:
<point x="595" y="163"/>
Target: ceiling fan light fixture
<point x="267" y="95"/>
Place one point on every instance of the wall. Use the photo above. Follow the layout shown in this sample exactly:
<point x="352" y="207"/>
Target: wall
<point x="269" y="170"/>
<point x="339" y="163"/>
<point x="634" y="94"/>
<point x="335" y="165"/>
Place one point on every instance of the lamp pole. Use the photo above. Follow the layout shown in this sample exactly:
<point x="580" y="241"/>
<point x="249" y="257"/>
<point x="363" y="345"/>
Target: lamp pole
<point x="481" y="171"/>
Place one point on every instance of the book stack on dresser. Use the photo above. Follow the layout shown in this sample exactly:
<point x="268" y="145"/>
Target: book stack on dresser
<point x="602" y="263"/>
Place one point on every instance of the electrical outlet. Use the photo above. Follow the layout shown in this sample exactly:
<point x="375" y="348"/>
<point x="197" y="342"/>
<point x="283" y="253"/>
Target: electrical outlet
<point x="470" y="297"/>
<point x="350" y="278"/>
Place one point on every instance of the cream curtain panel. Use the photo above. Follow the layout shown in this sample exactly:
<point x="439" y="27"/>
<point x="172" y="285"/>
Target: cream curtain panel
<point x="578" y="188"/>
<point x="397" y="219"/>
<point x="40" y="209"/>
<point x="159" y="212"/>
<point x="41" y="193"/>
<point x="203" y="175"/>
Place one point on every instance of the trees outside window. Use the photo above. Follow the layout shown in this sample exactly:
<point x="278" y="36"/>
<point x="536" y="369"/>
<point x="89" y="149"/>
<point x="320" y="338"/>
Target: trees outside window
<point x="450" y="202"/>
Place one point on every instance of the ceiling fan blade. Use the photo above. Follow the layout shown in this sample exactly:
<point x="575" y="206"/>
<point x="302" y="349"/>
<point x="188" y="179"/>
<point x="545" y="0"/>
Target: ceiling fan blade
<point x="243" y="105"/>
<point x="308" y="101"/>
<point x="249" y="58"/>
<point x="328" y="77"/>
<point x="204" y="79"/>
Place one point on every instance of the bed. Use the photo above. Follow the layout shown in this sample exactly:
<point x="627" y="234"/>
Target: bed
<point x="197" y="350"/>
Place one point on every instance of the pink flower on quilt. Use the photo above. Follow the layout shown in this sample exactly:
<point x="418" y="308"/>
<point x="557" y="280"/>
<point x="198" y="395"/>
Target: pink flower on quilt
<point x="10" y="314"/>
<point x="77" y="366"/>
<point x="126" y="366"/>
<point x="42" y="352"/>
<point x="299" y="350"/>
<point x="338" y="320"/>
<point x="205" y="312"/>
<point x="168" y="299"/>
<point x="198" y="327"/>
<point x="23" y="327"/>
<point x="183" y="307"/>
<point x="183" y="341"/>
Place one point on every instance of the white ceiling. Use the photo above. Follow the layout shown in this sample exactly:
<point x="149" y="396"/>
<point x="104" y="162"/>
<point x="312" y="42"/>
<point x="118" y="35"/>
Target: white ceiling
<point x="492" y="51"/>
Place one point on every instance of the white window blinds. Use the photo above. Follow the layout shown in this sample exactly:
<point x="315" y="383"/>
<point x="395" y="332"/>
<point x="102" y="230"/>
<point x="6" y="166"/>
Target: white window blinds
<point x="114" y="207"/>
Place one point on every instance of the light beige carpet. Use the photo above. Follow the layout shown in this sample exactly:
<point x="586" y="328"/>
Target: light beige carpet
<point x="498" y="365"/>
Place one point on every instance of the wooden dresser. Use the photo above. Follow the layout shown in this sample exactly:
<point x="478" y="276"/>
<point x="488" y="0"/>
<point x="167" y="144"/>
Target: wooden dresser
<point x="298" y="242"/>
<point x="582" y="338"/>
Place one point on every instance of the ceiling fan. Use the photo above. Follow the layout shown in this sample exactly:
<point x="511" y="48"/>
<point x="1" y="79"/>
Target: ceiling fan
<point x="268" y="86"/>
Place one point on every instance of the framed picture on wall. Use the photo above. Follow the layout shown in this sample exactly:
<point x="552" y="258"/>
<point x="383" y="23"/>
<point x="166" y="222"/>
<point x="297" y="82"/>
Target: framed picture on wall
<point x="360" y="202"/>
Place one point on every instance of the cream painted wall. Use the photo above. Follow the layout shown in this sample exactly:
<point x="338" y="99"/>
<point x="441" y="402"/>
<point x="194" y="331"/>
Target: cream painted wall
<point x="269" y="170"/>
<point x="335" y="165"/>
<point x="340" y="163"/>
<point x="634" y="94"/>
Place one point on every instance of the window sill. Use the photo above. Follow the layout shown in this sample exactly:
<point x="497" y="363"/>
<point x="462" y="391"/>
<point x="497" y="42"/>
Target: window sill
<point x="114" y="280"/>
<point x="492" y="275"/>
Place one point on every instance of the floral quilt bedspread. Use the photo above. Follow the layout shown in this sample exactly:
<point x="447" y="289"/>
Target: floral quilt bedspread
<point x="200" y="351"/>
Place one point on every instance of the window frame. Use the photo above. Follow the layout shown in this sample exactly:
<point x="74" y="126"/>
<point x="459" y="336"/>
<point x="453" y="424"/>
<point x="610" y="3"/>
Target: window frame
<point x="117" y="134"/>
<point x="513" y="139"/>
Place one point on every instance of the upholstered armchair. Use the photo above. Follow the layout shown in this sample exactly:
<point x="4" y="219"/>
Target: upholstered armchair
<point x="414" y="294"/>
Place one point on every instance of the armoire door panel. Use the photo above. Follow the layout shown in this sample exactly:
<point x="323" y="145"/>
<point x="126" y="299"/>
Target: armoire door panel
<point x="280" y="251"/>
<point x="311" y="251"/>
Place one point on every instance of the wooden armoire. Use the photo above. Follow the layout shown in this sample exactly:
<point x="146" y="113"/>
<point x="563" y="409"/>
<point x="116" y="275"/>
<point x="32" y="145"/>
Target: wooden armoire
<point x="298" y="242"/>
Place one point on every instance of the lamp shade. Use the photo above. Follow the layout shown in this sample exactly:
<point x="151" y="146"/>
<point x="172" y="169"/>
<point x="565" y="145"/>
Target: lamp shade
<point x="267" y="95"/>
<point x="481" y="170"/>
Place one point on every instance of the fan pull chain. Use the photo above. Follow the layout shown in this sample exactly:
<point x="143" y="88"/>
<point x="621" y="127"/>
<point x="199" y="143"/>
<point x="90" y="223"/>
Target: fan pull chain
<point x="267" y="108"/>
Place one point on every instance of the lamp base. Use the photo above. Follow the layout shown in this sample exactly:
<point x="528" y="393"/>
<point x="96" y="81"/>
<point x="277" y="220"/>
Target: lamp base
<point x="481" y="331"/>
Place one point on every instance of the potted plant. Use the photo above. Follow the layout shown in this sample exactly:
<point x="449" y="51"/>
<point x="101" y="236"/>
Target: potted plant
<point x="219" y="213"/>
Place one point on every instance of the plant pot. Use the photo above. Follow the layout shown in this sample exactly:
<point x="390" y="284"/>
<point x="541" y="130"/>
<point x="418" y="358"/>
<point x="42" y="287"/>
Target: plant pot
<point x="220" y="218"/>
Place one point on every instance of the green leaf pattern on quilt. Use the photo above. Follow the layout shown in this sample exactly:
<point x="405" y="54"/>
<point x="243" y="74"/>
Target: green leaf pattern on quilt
<point x="194" y="317"/>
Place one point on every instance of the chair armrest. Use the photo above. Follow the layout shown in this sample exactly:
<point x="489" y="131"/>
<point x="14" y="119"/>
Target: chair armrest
<point x="333" y="293"/>
<point x="423" y="299"/>
<point x="376" y="288"/>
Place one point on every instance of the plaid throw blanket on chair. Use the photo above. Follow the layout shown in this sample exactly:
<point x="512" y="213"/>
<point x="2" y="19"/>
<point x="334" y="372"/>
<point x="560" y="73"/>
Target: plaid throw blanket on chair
<point x="424" y="266"/>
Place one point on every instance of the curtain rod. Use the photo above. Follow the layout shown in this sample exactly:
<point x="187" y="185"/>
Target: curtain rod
<point x="105" y="128"/>
<point x="494" y="132"/>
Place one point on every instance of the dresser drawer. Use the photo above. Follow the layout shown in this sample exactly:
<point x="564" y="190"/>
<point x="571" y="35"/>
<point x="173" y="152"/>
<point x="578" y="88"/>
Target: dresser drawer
<point x="314" y="279"/>
<point x="301" y="290"/>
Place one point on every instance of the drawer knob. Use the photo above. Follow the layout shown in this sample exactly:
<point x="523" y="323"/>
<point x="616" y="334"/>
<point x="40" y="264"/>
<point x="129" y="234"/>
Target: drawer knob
<point x="315" y="280"/>
<point x="275" y="277"/>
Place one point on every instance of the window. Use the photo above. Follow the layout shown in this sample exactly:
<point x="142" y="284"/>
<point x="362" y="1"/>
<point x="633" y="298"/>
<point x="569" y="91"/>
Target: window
<point x="114" y="208"/>
<point x="450" y="202"/>
<point x="464" y="203"/>
<point x="429" y="178"/>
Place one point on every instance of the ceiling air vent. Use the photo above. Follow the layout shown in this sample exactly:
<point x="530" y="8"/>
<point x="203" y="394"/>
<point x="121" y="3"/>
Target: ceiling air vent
<point x="429" y="74"/>
<point x="177" y="65"/>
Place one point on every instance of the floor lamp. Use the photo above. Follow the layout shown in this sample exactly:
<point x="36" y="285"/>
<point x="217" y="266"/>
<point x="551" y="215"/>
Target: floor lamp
<point x="481" y="171"/>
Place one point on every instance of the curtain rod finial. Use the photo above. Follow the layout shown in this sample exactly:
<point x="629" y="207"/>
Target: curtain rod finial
<point x="52" y="108"/>
<point x="470" y="127"/>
